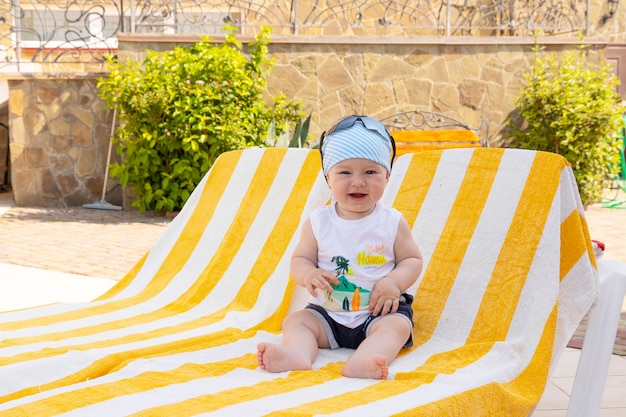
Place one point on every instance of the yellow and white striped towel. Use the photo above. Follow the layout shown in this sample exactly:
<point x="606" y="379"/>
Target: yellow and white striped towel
<point x="509" y="272"/>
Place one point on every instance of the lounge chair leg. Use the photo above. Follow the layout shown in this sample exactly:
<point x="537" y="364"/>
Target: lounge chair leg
<point x="593" y="366"/>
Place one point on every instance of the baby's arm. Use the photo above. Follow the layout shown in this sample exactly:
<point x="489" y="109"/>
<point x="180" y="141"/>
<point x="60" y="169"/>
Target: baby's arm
<point x="385" y="296"/>
<point x="304" y="268"/>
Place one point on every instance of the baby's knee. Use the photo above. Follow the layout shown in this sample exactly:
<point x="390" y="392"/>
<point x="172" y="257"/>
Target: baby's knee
<point x="395" y="324"/>
<point x="299" y="318"/>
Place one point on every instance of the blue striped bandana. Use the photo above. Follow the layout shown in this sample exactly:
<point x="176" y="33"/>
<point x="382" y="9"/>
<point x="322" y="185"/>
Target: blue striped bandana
<point x="355" y="142"/>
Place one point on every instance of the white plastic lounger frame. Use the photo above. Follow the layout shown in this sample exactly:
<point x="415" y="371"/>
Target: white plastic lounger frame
<point x="593" y="365"/>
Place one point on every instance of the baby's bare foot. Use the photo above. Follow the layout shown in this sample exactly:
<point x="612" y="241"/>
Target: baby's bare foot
<point x="279" y="358"/>
<point x="372" y="367"/>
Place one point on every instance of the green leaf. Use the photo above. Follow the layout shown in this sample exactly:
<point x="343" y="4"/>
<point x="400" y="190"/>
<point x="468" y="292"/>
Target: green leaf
<point x="179" y="109"/>
<point x="570" y="106"/>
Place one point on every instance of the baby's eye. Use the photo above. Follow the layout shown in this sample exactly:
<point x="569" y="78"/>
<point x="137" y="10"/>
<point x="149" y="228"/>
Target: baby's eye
<point x="344" y="172"/>
<point x="370" y="172"/>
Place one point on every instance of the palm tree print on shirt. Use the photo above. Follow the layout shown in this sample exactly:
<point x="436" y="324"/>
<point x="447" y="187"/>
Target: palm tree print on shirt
<point x="346" y="296"/>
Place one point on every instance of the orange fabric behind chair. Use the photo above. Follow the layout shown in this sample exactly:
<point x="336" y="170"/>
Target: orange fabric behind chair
<point x="426" y="140"/>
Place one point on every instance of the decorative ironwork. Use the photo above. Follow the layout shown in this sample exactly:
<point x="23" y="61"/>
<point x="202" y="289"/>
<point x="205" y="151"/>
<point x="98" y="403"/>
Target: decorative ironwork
<point x="515" y="18"/>
<point x="208" y="17"/>
<point x="364" y="15"/>
<point x="83" y="31"/>
<point x="428" y="120"/>
<point x="60" y="31"/>
<point x="5" y="184"/>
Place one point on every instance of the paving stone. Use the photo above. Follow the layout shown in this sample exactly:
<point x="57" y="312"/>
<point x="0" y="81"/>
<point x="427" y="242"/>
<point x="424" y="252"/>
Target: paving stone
<point x="91" y="242"/>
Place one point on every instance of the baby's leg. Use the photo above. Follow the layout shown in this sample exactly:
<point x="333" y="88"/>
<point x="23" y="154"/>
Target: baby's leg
<point x="386" y="337"/>
<point x="302" y="336"/>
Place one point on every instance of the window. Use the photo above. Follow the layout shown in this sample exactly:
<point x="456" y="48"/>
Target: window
<point x="90" y="27"/>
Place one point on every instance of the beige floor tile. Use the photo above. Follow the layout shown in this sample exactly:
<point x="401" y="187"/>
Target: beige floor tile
<point x="566" y="366"/>
<point x="612" y="412"/>
<point x="617" y="366"/>
<point x="549" y="413"/>
<point x="614" y="392"/>
<point x="554" y="398"/>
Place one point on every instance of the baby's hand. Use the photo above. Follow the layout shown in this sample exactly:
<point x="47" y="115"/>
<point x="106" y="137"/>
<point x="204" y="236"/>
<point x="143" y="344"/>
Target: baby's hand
<point x="385" y="297"/>
<point x="319" y="278"/>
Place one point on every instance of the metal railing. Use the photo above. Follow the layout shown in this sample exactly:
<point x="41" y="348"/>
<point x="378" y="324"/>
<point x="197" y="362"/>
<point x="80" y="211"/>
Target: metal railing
<point x="427" y="120"/>
<point x="83" y="31"/>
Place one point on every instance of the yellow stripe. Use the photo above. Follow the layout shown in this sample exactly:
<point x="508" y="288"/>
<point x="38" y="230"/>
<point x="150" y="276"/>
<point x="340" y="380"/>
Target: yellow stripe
<point x="125" y="281"/>
<point x="116" y="361"/>
<point x="410" y="197"/>
<point x="518" y="252"/>
<point x="146" y="381"/>
<point x="276" y="245"/>
<point x="460" y="229"/>
<point x="280" y="237"/>
<point x="446" y="363"/>
<point x="574" y="231"/>
<point x="530" y="382"/>
<point x="277" y="242"/>
<point x="347" y="400"/>
<point x="417" y="180"/>
<point x="590" y="250"/>
<point x="494" y="317"/>
<point x="449" y="252"/>
<point x="257" y="191"/>
<point x="488" y="400"/>
<point x="219" y="177"/>
<point x="212" y="402"/>
<point x="516" y="398"/>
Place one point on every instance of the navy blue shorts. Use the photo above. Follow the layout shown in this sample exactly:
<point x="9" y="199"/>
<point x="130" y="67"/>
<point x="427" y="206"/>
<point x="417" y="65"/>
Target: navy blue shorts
<point x="341" y="336"/>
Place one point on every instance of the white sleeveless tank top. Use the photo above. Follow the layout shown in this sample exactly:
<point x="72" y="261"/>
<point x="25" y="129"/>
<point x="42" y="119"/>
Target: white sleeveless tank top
<point x="360" y="252"/>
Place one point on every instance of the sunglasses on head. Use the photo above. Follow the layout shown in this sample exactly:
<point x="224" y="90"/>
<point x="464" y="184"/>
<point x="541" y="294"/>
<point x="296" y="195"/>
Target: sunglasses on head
<point x="368" y="122"/>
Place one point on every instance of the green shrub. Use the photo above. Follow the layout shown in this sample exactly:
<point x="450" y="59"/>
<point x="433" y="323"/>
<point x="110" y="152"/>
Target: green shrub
<point x="571" y="108"/>
<point x="299" y="138"/>
<point x="180" y="109"/>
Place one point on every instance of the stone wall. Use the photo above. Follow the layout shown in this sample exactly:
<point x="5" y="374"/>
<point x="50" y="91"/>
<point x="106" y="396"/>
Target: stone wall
<point x="60" y="131"/>
<point x="5" y="178"/>
<point x="473" y="79"/>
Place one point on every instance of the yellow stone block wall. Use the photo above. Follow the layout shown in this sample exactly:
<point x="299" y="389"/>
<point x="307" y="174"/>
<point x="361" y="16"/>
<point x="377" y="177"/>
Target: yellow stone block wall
<point x="60" y="128"/>
<point x="473" y="80"/>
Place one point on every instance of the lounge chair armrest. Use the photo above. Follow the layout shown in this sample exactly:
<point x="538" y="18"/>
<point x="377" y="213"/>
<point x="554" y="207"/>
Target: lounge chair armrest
<point x="593" y="365"/>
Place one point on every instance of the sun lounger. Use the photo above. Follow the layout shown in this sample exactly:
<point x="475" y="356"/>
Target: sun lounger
<point x="509" y="273"/>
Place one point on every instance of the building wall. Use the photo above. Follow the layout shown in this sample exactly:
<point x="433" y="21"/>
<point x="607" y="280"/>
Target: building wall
<point x="5" y="179"/>
<point x="60" y="129"/>
<point x="473" y="80"/>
